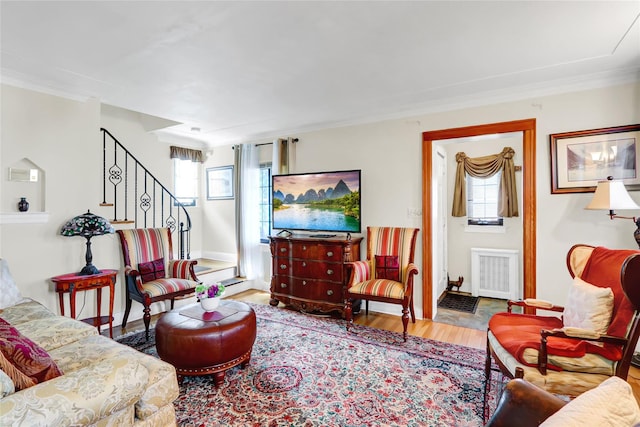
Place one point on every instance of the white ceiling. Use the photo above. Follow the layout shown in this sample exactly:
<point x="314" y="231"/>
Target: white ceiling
<point x="245" y="71"/>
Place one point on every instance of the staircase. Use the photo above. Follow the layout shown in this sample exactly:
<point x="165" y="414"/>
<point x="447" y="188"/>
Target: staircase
<point x="138" y="198"/>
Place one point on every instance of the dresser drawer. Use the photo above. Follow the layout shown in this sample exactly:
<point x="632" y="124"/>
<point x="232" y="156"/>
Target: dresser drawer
<point x="282" y="249"/>
<point x="317" y="290"/>
<point x="281" y="284"/>
<point x="317" y="270"/>
<point x="319" y="252"/>
<point x="282" y="266"/>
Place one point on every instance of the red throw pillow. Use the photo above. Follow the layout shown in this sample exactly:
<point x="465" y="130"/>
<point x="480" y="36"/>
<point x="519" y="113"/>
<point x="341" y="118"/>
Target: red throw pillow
<point x="387" y="267"/>
<point x="152" y="270"/>
<point x="25" y="362"/>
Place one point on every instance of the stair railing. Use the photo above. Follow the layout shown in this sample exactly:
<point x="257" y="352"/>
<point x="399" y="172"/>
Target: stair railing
<point x="135" y="191"/>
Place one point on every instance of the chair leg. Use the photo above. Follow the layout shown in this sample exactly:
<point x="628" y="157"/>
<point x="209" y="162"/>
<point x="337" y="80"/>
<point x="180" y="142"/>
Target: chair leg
<point x="413" y="313"/>
<point x="487" y="381"/>
<point x="127" y="310"/>
<point x="366" y="307"/>
<point x="147" y="320"/>
<point x="348" y="312"/>
<point x="172" y="301"/>
<point x="405" y="321"/>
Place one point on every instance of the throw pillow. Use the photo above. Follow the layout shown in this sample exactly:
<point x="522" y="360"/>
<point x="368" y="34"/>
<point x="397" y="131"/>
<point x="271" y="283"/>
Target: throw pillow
<point x="588" y="307"/>
<point x="24" y="361"/>
<point x="9" y="293"/>
<point x="387" y="267"/>
<point x="610" y="404"/>
<point x="6" y="385"/>
<point x="152" y="270"/>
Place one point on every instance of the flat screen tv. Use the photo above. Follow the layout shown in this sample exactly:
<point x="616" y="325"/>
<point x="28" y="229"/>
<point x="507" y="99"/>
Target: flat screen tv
<point x="321" y="201"/>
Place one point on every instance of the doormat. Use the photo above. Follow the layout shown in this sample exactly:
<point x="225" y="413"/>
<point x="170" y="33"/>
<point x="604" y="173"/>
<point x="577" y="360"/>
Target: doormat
<point x="458" y="302"/>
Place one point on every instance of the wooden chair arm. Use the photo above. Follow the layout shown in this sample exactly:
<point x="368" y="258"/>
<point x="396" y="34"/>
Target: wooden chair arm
<point x="534" y="303"/>
<point x="130" y="271"/>
<point x="574" y="334"/>
<point x="412" y="270"/>
<point x="524" y="404"/>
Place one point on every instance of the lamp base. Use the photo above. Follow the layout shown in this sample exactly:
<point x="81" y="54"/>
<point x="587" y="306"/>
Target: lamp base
<point x="88" y="270"/>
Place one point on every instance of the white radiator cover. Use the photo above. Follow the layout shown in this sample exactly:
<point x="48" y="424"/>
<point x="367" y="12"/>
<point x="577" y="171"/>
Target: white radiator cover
<point x="494" y="273"/>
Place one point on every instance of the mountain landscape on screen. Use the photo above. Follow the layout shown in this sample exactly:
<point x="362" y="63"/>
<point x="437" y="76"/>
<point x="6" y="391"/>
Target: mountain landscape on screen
<point x="325" y="201"/>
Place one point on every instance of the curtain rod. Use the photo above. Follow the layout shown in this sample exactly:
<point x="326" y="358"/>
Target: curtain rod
<point x="293" y="140"/>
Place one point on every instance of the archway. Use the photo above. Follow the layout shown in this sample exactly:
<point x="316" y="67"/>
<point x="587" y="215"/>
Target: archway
<point x="528" y="129"/>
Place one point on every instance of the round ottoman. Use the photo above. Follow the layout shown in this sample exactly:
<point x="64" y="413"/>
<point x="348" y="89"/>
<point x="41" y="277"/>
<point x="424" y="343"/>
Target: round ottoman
<point x="197" y="342"/>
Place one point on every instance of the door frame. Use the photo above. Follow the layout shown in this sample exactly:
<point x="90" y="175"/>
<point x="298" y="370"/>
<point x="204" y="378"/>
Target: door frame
<point x="528" y="129"/>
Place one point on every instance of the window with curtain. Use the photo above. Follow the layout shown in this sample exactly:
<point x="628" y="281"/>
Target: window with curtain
<point x="186" y="172"/>
<point x="484" y="167"/>
<point x="185" y="179"/>
<point x="265" y="202"/>
<point x="482" y="200"/>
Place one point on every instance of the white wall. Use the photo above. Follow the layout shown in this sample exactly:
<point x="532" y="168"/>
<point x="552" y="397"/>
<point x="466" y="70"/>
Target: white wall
<point x="390" y="152"/>
<point x="61" y="137"/>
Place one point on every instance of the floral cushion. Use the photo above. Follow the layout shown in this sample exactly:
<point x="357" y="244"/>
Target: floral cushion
<point x="24" y="361"/>
<point x="387" y="267"/>
<point x="151" y="270"/>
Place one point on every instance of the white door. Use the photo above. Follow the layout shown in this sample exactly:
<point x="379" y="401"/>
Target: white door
<point x="440" y="209"/>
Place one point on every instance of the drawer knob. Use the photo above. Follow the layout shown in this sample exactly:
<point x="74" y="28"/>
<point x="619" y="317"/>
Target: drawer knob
<point x="304" y="283"/>
<point x="304" y="264"/>
<point x="329" y="272"/>
<point x="304" y="248"/>
<point x="283" y="249"/>
<point x="283" y="266"/>
<point x="329" y="292"/>
<point x="329" y="253"/>
<point x="283" y="285"/>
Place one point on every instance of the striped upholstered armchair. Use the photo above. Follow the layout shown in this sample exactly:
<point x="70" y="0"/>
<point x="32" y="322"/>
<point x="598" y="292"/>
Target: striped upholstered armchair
<point x="151" y="274"/>
<point x="387" y="274"/>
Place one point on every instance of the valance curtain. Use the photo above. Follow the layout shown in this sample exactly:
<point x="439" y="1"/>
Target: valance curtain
<point x="186" y="154"/>
<point x="483" y="167"/>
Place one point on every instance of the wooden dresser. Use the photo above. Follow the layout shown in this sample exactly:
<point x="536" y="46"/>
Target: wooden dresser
<point x="309" y="273"/>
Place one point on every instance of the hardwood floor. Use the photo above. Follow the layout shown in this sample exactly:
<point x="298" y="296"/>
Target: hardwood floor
<point x="422" y="328"/>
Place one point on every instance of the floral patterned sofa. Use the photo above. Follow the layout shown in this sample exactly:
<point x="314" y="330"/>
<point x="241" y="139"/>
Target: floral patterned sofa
<point x="101" y="382"/>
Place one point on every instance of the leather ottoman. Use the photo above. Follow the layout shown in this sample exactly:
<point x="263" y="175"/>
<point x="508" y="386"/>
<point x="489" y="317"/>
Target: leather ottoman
<point x="197" y="342"/>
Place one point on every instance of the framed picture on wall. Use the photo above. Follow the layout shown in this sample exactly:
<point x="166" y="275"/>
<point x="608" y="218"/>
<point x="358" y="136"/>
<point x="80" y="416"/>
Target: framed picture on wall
<point x="220" y="183"/>
<point x="582" y="158"/>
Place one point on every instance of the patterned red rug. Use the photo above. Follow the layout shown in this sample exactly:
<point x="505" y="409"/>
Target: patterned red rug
<point x="308" y="371"/>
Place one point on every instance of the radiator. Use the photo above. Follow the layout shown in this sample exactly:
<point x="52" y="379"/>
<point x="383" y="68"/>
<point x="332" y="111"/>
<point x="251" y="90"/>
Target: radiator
<point x="494" y="273"/>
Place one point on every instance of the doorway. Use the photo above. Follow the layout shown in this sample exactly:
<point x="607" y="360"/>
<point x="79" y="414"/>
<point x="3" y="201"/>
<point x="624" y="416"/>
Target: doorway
<point x="527" y="127"/>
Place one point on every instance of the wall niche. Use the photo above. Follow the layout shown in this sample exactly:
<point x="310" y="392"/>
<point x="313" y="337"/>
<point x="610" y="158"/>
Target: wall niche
<point x="25" y="179"/>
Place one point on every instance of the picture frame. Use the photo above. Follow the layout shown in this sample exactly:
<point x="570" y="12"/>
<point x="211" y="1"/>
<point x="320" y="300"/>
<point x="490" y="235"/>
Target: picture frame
<point x="220" y="183"/>
<point x="580" y="159"/>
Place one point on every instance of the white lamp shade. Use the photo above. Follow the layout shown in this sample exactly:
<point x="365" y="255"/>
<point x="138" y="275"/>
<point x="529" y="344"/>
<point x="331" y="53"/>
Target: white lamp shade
<point x="611" y="195"/>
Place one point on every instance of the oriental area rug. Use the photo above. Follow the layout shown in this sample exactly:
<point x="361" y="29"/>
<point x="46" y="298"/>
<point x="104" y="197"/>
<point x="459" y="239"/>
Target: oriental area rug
<point x="308" y="371"/>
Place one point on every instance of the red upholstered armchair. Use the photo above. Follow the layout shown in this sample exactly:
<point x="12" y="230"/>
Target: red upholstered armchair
<point x="151" y="274"/>
<point x="593" y="340"/>
<point x="387" y="274"/>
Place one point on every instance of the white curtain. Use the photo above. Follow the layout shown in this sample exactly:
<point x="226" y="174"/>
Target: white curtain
<point x="247" y="180"/>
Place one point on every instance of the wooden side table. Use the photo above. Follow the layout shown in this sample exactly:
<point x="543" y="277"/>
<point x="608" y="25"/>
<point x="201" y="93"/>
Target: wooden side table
<point x="73" y="283"/>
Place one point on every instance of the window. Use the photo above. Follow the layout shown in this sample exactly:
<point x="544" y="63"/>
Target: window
<point x="185" y="181"/>
<point x="482" y="200"/>
<point x="265" y="202"/>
